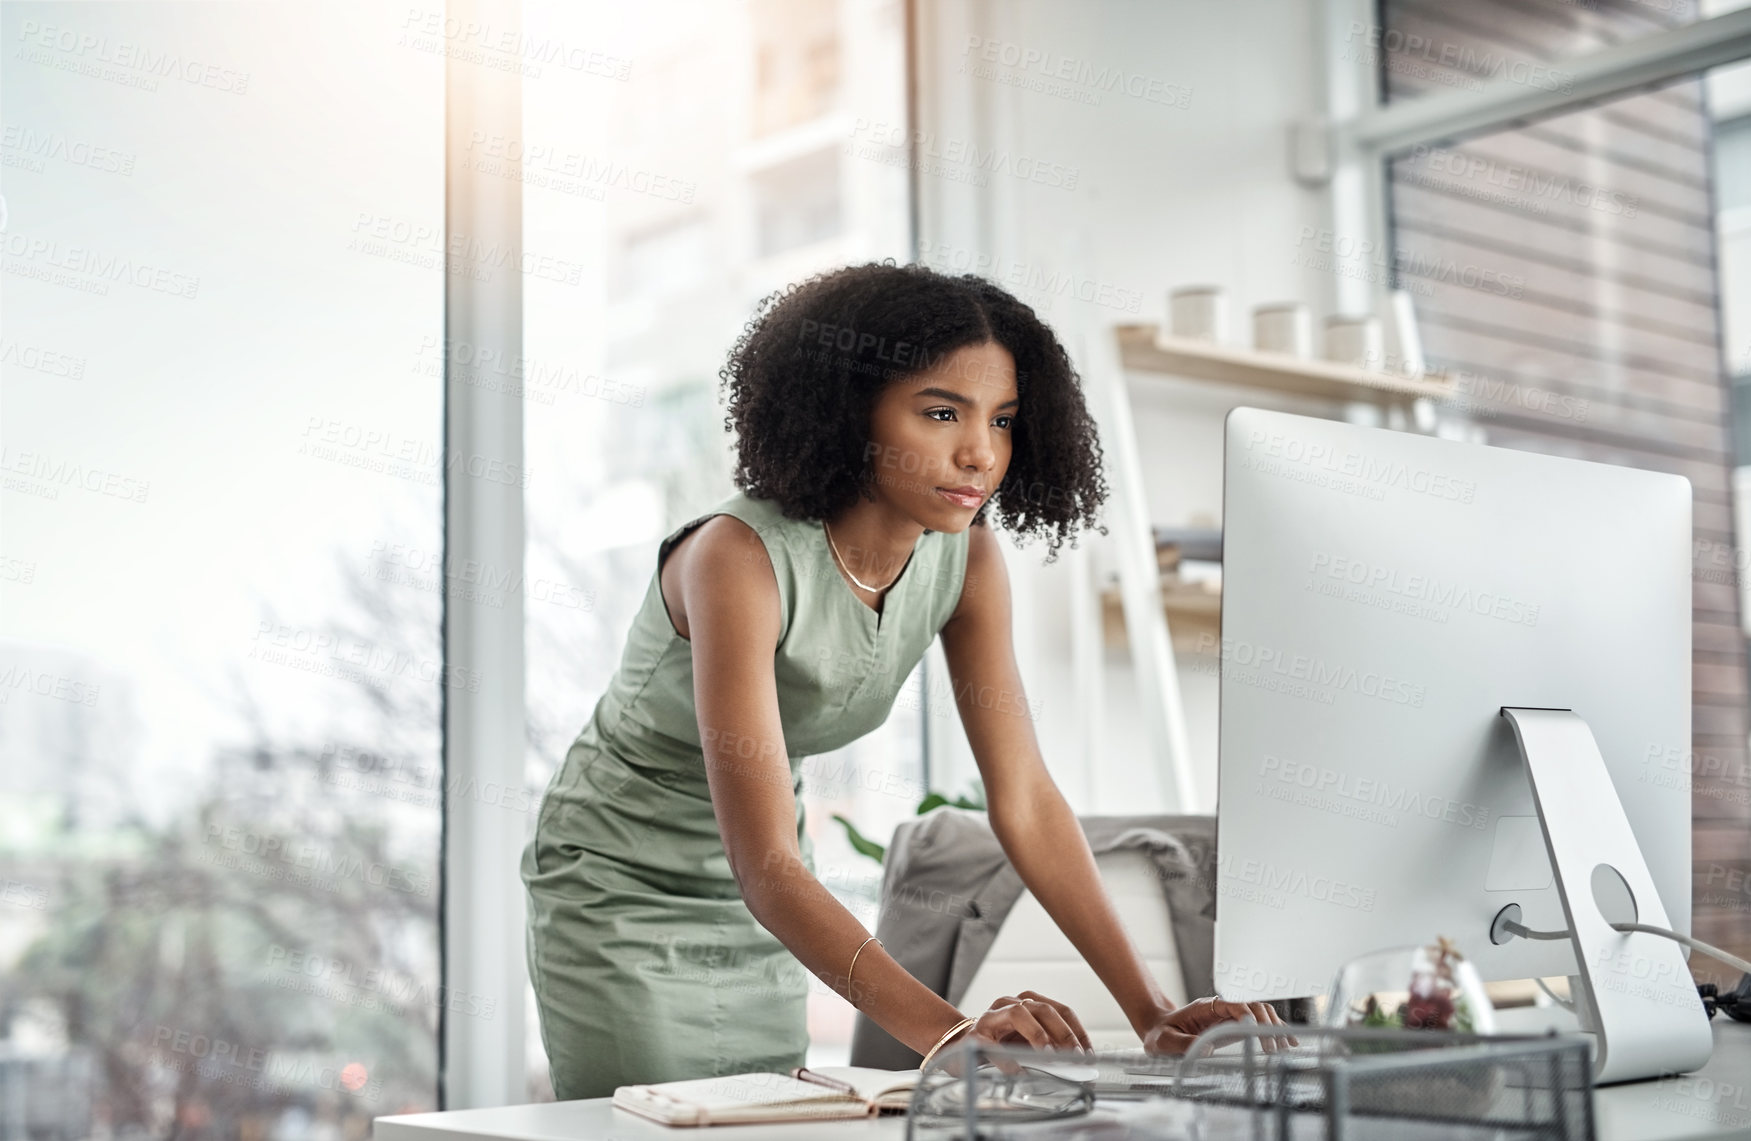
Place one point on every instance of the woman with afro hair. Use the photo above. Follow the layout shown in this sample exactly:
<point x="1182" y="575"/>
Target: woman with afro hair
<point x="884" y="416"/>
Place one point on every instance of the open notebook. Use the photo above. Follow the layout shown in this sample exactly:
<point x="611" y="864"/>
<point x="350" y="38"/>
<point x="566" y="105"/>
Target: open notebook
<point x="802" y="1095"/>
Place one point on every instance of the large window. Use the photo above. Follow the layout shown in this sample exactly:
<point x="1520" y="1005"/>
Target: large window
<point x="219" y="673"/>
<point x="1574" y="273"/>
<point x="223" y="565"/>
<point x="708" y="174"/>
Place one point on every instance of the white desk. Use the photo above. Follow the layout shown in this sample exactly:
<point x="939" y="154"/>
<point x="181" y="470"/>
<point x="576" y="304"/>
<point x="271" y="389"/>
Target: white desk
<point x="1714" y="1102"/>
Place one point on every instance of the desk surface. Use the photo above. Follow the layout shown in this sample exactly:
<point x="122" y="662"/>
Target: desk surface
<point x="1714" y="1102"/>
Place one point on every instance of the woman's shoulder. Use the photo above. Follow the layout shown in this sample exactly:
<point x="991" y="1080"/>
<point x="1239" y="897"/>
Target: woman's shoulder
<point x="778" y="533"/>
<point x="763" y="515"/>
<point x="777" y="541"/>
<point x="735" y="561"/>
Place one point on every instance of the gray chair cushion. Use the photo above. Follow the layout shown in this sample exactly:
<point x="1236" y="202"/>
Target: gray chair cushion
<point x="947" y="887"/>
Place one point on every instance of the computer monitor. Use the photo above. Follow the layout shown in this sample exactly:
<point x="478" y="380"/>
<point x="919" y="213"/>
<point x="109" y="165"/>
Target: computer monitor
<point x="1385" y="597"/>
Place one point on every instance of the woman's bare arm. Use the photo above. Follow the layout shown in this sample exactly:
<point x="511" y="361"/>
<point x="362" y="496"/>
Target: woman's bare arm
<point x="1035" y="825"/>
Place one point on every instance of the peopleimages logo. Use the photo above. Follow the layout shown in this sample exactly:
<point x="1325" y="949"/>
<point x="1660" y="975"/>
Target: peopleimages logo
<point x="1660" y="978"/>
<point x="304" y="861"/>
<point x="1375" y="793"/>
<point x="221" y="1062"/>
<point x="1461" y="57"/>
<point x="1236" y="875"/>
<point x="1243" y="975"/>
<point x="1365" y="469"/>
<point x="1710" y="766"/>
<point x="98" y="268"/>
<point x="1073" y="73"/>
<point x="966" y="154"/>
<point x="90" y="54"/>
<point x="1318" y="673"/>
<point x="335" y="978"/>
<point x="1424" y="588"/>
<point x="1525" y="180"/>
<point x="1317" y="245"/>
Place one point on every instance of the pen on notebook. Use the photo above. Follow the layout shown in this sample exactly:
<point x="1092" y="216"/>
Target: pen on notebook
<point x="822" y="1079"/>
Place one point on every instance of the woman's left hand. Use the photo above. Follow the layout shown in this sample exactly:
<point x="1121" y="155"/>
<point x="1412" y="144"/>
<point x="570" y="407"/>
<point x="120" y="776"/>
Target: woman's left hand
<point x="1175" y="1030"/>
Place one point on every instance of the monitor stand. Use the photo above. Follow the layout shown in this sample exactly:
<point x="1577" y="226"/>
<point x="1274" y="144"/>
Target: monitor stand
<point x="1636" y="993"/>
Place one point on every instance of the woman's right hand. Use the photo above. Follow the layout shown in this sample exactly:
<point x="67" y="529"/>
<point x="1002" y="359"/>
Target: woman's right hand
<point x="1030" y="1019"/>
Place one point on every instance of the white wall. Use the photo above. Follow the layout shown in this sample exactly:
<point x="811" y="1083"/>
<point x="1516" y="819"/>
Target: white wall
<point x="1163" y="195"/>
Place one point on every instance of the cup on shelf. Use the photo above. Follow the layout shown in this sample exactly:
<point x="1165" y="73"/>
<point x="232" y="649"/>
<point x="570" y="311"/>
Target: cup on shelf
<point x="1354" y="341"/>
<point x="1283" y="327"/>
<point x="1199" y="313"/>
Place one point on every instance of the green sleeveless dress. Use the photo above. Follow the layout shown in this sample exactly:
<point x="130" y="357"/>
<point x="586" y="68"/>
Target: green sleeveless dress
<point x="647" y="965"/>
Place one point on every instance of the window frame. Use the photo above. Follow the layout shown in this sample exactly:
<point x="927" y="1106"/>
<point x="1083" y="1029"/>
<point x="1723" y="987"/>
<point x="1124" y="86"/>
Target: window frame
<point x="1352" y="144"/>
<point x="480" y="915"/>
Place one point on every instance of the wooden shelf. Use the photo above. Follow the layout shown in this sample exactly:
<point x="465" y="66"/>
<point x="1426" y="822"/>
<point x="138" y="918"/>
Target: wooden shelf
<point x="1144" y="348"/>
<point x="1194" y="615"/>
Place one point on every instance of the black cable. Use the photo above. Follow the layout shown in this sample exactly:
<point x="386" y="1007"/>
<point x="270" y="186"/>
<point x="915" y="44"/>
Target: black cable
<point x="1735" y="1004"/>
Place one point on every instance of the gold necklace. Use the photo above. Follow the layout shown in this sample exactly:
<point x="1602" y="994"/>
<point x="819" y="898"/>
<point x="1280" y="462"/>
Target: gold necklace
<point x="854" y="578"/>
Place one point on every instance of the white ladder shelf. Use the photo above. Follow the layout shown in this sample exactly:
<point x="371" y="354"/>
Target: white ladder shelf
<point x="1110" y="353"/>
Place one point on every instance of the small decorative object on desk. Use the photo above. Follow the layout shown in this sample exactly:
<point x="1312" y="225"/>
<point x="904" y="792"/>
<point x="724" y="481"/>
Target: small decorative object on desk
<point x="1430" y="988"/>
<point x="1411" y="988"/>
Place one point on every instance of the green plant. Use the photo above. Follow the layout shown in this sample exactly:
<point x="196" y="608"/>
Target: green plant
<point x="865" y="846"/>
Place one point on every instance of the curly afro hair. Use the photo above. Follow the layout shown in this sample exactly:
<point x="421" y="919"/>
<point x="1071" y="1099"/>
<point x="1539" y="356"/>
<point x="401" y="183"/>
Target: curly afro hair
<point x="804" y="376"/>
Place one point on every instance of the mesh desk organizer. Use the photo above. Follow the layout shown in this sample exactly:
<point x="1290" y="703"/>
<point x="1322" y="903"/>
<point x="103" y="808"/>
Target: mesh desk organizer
<point x="1337" y="1085"/>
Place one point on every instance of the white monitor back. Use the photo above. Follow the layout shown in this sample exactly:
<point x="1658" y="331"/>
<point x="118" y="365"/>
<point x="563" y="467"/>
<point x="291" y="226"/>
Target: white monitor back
<point x="1384" y="595"/>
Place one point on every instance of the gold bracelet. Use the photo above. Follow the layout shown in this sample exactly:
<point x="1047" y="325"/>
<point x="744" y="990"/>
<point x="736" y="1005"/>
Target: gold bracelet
<point x="943" y="1041"/>
<point x="853" y="965"/>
